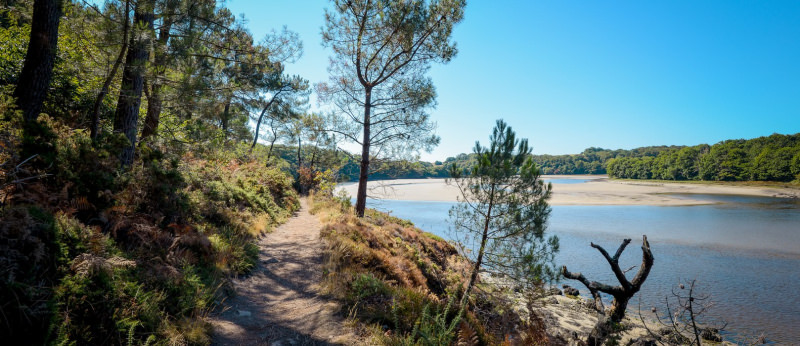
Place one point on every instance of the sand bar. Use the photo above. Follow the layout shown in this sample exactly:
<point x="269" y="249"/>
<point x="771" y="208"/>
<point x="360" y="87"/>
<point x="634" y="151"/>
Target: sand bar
<point x="597" y="190"/>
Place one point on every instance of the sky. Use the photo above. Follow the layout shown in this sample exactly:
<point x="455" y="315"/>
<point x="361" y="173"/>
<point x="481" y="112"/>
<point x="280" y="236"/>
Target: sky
<point x="569" y="75"/>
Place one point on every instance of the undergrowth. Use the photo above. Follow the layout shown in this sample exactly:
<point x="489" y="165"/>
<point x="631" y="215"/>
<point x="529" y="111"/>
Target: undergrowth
<point x="400" y="284"/>
<point x="92" y="254"/>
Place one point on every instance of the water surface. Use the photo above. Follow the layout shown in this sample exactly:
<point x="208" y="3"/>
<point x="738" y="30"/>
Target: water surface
<point x="744" y="251"/>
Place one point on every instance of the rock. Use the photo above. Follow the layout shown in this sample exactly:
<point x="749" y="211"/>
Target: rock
<point x="243" y="313"/>
<point x="710" y="334"/>
<point x="664" y="331"/>
<point x="554" y="291"/>
<point x="571" y="291"/>
<point x="552" y="300"/>
<point x="643" y="341"/>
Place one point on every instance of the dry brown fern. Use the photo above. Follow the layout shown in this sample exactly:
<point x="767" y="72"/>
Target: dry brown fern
<point x="535" y="330"/>
<point x="467" y="335"/>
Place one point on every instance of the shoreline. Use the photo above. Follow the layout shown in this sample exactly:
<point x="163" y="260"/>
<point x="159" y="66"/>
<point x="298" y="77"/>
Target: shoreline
<point x="586" y="190"/>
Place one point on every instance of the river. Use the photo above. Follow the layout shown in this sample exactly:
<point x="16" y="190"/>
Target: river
<point x="743" y="251"/>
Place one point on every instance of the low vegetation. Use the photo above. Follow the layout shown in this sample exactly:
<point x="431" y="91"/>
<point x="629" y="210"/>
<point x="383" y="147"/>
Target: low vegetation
<point x="401" y="285"/>
<point x="92" y="255"/>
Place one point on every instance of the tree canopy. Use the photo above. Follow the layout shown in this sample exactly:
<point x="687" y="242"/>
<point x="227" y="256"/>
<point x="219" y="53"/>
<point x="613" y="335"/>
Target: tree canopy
<point x="378" y="83"/>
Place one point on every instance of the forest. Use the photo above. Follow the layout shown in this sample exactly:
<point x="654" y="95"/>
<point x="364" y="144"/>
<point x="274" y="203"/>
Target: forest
<point x="133" y="185"/>
<point x="771" y="158"/>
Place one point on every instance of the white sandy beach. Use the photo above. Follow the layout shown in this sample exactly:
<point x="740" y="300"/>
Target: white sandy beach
<point x="599" y="190"/>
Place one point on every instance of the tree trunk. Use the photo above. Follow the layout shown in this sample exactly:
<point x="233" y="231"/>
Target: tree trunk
<point x="153" y="111"/>
<point x="159" y="67"/>
<point x="484" y="238"/>
<point x="261" y="117"/>
<point x="95" y="116"/>
<point x="618" y="307"/>
<point x="626" y="289"/>
<point x="225" y="116"/>
<point x="37" y="69"/>
<point x="274" y="138"/>
<point x="361" y="196"/>
<point x="475" y="269"/>
<point x="313" y="157"/>
<point x="299" y="158"/>
<point x="130" y="93"/>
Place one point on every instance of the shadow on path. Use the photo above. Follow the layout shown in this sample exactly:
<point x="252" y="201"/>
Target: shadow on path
<point x="279" y="303"/>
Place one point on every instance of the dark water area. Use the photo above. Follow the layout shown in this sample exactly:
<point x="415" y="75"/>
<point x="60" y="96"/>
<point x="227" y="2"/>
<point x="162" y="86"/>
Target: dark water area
<point x="744" y="252"/>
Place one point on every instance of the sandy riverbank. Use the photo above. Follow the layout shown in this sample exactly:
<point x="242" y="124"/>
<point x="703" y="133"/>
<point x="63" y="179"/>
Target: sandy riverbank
<point x="597" y="190"/>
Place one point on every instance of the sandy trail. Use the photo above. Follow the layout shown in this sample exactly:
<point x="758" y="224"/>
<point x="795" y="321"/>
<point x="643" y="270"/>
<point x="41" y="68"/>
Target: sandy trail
<point x="279" y="303"/>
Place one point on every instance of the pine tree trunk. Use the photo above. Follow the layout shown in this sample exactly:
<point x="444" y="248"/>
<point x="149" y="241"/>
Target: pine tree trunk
<point x="361" y="196"/>
<point x="479" y="261"/>
<point x="261" y="117"/>
<point x="130" y="93"/>
<point x="159" y="66"/>
<point x="475" y="270"/>
<point x="39" y="59"/>
<point x="95" y="130"/>
<point x="153" y="111"/>
<point x="299" y="158"/>
<point x="226" y="115"/>
<point x="258" y="127"/>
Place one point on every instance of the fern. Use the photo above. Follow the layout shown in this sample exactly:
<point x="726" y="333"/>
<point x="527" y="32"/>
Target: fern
<point x="433" y="330"/>
<point x="467" y="335"/>
<point x="131" y="332"/>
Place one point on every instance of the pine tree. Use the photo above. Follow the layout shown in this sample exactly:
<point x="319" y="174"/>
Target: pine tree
<point x="502" y="213"/>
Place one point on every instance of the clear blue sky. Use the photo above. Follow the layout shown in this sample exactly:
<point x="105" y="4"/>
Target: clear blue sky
<point x="569" y="75"/>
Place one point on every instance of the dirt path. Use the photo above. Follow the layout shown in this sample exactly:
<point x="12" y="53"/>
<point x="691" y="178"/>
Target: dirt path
<point x="279" y="304"/>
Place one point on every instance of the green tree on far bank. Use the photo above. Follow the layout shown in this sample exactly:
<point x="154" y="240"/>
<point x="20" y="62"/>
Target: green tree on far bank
<point x="502" y="213"/>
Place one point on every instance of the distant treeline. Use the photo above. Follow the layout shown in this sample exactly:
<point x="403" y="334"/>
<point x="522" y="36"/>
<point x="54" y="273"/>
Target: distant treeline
<point x="772" y="158"/>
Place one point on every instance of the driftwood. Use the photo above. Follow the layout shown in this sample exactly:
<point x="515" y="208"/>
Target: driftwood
<point x="625" y="291"/>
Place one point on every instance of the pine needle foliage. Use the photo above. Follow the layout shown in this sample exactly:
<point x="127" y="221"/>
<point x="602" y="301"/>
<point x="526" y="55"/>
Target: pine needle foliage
<point x="502" y="213"/>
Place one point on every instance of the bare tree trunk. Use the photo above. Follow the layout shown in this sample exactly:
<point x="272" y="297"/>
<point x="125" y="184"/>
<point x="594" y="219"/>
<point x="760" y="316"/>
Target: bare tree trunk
<point x="361" y="196"/>
<point x="95" y="116"/>
<point x="625" y="291"/>
<point x="313" y="157"/>
<point x="37" y="69"/>
<point x="261" y="117"/>
<point x="299" y="158"/>
<point x="225" y="115"/>
<point x="154" y="100"/>
<point x="130" y="94"/>
<point x="484" y="238"/>
<point x="274" y="138"/>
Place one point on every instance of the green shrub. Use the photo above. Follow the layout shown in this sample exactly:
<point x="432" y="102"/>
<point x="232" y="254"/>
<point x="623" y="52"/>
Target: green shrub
<point x="28" y="270"/>
<point x="434" y="327"/>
